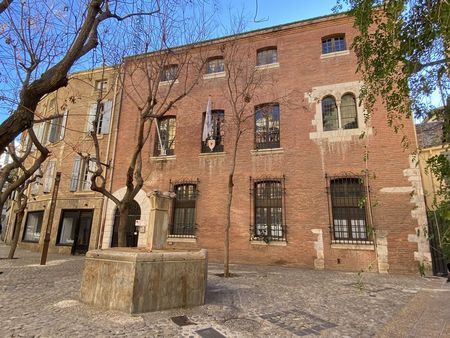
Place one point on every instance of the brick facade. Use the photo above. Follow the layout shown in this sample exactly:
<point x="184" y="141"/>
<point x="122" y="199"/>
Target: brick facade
<point x="302" y="77"/>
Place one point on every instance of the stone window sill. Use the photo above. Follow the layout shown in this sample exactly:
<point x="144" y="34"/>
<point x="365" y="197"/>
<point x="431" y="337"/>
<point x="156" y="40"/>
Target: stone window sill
<point x="213" y="75"/>
<point x="346" y="246"/>
<point x="171" y="239"/>
<point x="163" y="158"/>
<point x="213" y="154"/>
<point x="334" y="54"/>
<point x="84" y="192"/>
<point x="340" y="134"/>
<point x="271" y="243"/>
<point x="267" y="151"/>
<point x="168" y="83"/>
<point x="268" y="66"/>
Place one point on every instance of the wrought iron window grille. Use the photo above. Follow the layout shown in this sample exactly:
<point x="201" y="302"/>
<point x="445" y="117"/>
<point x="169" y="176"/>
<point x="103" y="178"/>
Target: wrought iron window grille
<point x="268" y="209"/>
<point x="183" y="212"/>
<point x="267" y="126"/>
<point x="217" y="134"/>
<point x="348" y="209"/>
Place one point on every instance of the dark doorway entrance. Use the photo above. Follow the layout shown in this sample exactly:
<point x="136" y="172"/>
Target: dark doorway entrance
<point x="435" y="230"/>
<point x="131" y="232"/>
<point x="75" y="230"/>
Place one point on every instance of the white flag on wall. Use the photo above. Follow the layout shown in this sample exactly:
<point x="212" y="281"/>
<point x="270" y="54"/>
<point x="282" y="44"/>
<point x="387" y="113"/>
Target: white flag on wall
<point x="208" y="121"/>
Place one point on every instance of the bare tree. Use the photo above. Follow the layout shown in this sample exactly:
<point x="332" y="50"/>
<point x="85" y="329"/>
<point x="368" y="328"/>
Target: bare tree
<point x="40" y="43"/>
<point x="153" y="84"/>
<point x="21" y="204"/>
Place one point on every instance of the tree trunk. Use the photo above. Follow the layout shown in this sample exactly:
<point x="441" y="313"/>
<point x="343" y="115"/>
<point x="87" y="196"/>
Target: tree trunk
<point x="16" y="232"/>
<point x="226" y="258"/>
<point x="123" y="220"/>
<point x="226" y="255"/>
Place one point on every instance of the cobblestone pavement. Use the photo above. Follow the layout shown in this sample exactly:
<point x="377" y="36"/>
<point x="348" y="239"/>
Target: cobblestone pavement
<point x="43" y="301"/>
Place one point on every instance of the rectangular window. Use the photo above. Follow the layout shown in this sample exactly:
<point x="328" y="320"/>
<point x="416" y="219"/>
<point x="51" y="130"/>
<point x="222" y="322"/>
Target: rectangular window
<point x="104" y="117"/>
<point x="33" y="226"/>
<point x="267" y="126"/>
<point x="169" y="73"/>
<point x="183" y="221"/>
<point x="215" y="139"/>
<point x="268" y="195"/>
<point x="215" y="65"/>
<point x="89" y="167"/>
<point x="165" y="136"/>
<point x="348" y="209"/>
<point x="266" y="56"/>
<point x="333" y="44"/>
<point x="101" y="85"/>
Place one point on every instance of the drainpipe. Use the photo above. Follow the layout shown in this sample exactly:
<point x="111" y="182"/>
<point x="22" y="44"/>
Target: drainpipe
<point x="116" y="128"/>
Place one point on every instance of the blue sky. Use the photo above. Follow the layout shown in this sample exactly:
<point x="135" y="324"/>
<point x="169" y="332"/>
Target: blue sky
<point x="273" y="12"/>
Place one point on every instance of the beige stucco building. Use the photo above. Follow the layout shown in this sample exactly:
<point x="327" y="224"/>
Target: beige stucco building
<point x="79" y="211"/>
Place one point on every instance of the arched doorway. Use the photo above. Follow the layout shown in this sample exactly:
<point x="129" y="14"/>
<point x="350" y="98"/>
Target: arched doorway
<point x="134" y="214"/>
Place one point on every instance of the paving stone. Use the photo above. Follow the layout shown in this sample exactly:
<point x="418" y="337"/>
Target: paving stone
<point x="43" y="301"/>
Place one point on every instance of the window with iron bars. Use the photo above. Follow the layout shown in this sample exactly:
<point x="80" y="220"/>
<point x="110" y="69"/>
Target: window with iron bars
<point x="268" y="214"/>
<point x="183" y="213"/>
<point x="267" y="126"/>
<point x="348" y="207"/>
<point x="216" y="134"/>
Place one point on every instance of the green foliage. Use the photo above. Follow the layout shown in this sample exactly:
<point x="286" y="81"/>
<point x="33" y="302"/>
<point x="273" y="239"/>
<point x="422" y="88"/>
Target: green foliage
<point x="403" y="50"/>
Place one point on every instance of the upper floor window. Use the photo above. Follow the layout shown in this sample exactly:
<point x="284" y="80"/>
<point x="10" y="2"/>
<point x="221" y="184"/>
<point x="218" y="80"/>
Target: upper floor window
<point x="82" y="171"/>
<point x="101" y="85"/>
<point x="165" y="136"/>
<point x="183" y="221"/>
<point x="266" y="56"/>
<point x="267" y="126"/>
<point x="339" y="116"/>
<point x="104" y="117"/>
<point x="348" y="208"/>
<point x="215" y="131"/>
<point x="48" y="176"/>
<point x="215" y="65"/>
<point x="268" y="223"/>
<point x="169" y="73"/>
<point x="333" y="44"/>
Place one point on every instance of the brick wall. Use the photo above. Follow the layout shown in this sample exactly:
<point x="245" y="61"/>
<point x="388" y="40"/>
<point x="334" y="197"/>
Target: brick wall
<point x="302" y="160"/>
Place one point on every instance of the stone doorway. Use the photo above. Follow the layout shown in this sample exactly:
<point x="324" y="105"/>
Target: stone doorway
<point x="131" y="231"/>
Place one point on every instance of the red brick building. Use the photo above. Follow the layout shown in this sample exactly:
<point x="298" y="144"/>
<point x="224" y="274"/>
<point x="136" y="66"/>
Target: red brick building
<point x="304" y="194"/>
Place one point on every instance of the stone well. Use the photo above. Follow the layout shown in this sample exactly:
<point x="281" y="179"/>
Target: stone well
<point x="136" y="281"/>
<point x="147" y="278"/>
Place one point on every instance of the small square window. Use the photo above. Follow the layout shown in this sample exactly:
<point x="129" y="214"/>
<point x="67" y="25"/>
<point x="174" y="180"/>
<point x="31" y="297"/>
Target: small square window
<point x="169" y="73"/>
<point x="333" y="44"/>
<point x="101" y="85"/>
<point x="266" y="56"/>
<point x="215" y="65"/>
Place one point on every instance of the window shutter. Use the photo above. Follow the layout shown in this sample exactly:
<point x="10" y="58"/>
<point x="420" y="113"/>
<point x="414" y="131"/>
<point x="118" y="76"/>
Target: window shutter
<point x="90" y="167"/>
<point x="48" y="177"/>
<point x="106" y="117"/>
<point x="63" y="125"/>
<point x="35" y="184"/>
<point x="91" y="118"/>
<point x="75" y="174"/>
<point x="52" y="130"/>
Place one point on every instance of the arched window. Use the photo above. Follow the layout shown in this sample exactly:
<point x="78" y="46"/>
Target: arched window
<point x="266" y="56"/>
<point x="330" y="115"/>
<point x="332" y="44"/>
<point x="134" y="214"/>
<point x="349" y="114"/>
